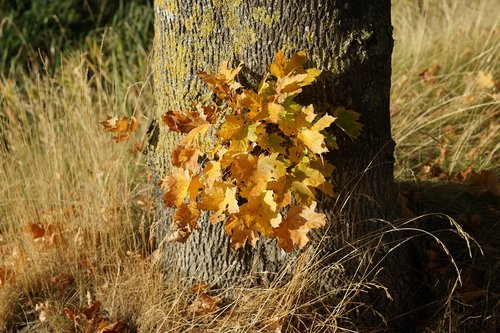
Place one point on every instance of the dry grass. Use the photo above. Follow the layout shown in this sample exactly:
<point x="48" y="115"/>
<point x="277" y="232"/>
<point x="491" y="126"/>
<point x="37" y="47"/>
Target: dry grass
<point x="62" y="172"/>
<point x="445" y="116"/>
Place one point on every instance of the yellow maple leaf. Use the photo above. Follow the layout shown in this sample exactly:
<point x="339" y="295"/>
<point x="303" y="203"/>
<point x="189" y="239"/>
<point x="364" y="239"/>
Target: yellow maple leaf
<point x="242" y="165"/>
<point x="272" y="142"/>
<point x="290" y="84"/>
<point x="211" y="173"/>
<point x="220" y="198"/>
<point x="323" y="123"/>
<point x="237" y="132"/>
<point x="313" y="140"/>
<point x="296" y="62"/>
<point x="261" y="213"/>
<point x="295" y="117"/>
<point x="179" y="184"/>
<point x="277" y="68"/>
<point x="250" y="100"/>
<point x="268" y="168"/>
<point x="229" y="73"/>
<point x="311" y="76"/>
<point x="274" y="111"/>
<point x="232" y="127"/>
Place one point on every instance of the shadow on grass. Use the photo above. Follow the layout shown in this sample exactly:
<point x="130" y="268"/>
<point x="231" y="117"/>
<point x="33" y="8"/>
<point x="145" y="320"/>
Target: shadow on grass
<point x="471" y="302"/>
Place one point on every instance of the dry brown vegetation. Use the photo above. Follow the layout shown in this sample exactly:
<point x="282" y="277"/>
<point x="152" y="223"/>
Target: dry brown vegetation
<point x="77" y="212"/>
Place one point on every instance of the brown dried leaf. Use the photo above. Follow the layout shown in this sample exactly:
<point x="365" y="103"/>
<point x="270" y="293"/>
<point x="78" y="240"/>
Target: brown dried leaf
<point x="183" y="122"/>
<point x="91" y="311"/>
<point x="36" y="230"/>
<point x="486" y="181"/>
<point x="53" y="236"/>
<point x="62" y="281"/>
<point x="294" y="229"/>
<point x="116" y="327"/>
<point x="70" y="313"/>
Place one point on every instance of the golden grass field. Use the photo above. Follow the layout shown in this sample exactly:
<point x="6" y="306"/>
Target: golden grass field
<point x="93" y="199"/>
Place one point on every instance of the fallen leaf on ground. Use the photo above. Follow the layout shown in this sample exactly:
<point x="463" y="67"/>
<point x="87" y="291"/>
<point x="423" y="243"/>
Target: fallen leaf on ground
<point x="200" y="287"/>
<point x="116" y="327"/>
<point x="205" y="304"/>
<point x="62" y="281"/>
<point x="486" y="181"/>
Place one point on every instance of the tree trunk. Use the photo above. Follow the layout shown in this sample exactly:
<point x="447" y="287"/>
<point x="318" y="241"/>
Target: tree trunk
<point x="351" y="41"/>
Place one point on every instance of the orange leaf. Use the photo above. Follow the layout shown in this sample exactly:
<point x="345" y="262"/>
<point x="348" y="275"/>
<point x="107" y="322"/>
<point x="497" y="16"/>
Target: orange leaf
<point x="261" y="213"/>
<point x="36" y="230"/>
<point x="253" y="102"/>
<point x="313" y="140"/>
<point x="241" y="233"/>
<point x="121" y="126"/>
<point x="293" y="230"/>
<point x="220" y="198"/>
<point x="222" y="83"/>
<point x="296" y="62"/>
<point x="194" y="134"/>
<point x="429" y="73"/>
<point x="186" y="221"/>
<point x="205" y="304"/>
<point x="53" y="236"/>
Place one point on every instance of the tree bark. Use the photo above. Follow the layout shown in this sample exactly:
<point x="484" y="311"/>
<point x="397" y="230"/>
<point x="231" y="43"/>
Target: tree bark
<point x="351" y="41"/>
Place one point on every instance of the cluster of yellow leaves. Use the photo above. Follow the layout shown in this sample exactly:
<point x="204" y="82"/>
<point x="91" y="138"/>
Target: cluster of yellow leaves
<point x="266" y="169"/>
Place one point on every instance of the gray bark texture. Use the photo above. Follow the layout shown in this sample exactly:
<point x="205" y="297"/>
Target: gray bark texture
<point x="351" y="41"/>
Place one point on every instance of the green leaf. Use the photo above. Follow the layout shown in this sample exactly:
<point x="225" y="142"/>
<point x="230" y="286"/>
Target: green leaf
<point x="347" y="120"/>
